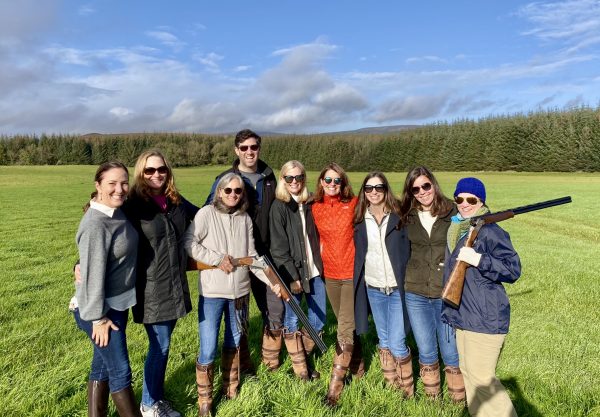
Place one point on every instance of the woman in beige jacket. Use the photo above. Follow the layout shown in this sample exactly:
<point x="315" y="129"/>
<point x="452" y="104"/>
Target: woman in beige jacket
<point x="221" y="232"/>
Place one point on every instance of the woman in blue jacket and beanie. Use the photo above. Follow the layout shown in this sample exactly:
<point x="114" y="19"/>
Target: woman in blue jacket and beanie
<point x="482" y="318"/>
<point x="382" y="251"/>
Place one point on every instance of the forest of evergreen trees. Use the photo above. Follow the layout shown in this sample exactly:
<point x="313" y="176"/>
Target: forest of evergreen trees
<point x="539" y="141"/>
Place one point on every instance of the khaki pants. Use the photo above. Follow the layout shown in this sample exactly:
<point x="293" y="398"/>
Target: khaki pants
<point x="478" y="356"/>
<point x="341" y="297"/>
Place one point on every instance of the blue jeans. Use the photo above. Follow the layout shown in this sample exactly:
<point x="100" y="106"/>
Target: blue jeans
<point x="155" y="366"/>
<point x="210" y="312"/>
<point x="388" y="316"/>
<point x="317" y="304"/>
<point x="429" y="330"/>
<point x="110" y="362"/>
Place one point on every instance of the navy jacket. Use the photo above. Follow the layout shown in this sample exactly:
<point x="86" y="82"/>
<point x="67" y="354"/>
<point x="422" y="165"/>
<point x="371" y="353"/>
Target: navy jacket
<point x="484" y="307"/>
<point x="398" y="247"/>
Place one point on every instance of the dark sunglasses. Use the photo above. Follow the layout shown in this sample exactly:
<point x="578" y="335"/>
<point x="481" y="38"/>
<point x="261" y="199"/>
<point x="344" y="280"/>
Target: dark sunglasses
<point x="336" y="181"/>
<point x="244" y="148"/>
<point x="151" y="170"/>
<point x="471" y="200"/>
<point x="425" y="187"/>
<point x="228" y="190"/>
<point x="380" y="188"/>
<point x="290" y="178"/>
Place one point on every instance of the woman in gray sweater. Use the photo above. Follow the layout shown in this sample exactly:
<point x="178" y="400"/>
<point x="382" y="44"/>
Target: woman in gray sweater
<point x="107" y="245"/>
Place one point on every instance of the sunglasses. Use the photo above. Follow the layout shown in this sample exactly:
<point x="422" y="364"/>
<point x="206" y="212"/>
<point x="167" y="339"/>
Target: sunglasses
<point x="290" y="178"/>
<point x="336" y="181"/>
<point x="228" y="190"/>
<point x="380" y="188"/>
<point x="425" y="187"/>
<point x="244" y="148"/>
<point x="151" y="170"/>
<point x="471" y="200"/>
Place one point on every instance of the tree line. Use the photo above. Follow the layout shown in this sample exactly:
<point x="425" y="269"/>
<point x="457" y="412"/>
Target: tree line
<point x="551" y="140"/>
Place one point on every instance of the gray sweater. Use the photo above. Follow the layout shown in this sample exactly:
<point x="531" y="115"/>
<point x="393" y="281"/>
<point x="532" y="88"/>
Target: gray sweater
<point x="107" y="245"/>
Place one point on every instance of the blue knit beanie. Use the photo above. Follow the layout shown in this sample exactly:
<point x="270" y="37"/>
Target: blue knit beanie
<point x="470" y="185"/>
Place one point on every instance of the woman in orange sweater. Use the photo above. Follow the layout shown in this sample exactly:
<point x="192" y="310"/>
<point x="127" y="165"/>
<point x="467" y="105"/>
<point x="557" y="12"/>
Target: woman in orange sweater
<point x="333" y="212"/>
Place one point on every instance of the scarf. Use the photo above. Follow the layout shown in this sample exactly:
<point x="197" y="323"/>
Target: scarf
<point x="459" y="227"/>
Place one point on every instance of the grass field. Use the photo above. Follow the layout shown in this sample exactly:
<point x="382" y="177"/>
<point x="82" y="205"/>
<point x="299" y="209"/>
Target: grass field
<point x="550" y="363"/>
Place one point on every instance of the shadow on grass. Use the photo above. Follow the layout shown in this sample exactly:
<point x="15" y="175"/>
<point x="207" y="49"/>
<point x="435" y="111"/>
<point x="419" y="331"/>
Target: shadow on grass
<point x="523" y="407"/>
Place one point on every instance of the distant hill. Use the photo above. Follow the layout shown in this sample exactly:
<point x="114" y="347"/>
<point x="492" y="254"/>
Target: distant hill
<point x="376" y="130"/>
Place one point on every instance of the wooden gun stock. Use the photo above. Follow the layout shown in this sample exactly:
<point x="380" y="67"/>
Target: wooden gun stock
<point x="453" y="289"/>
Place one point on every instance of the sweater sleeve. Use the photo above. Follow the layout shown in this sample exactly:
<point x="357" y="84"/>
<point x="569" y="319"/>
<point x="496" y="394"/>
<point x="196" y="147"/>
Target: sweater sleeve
<point x="499" y="262"/>
<point x="195" y="235"/>
<point x="94" y="244"/>
<point x="280" y="244"/>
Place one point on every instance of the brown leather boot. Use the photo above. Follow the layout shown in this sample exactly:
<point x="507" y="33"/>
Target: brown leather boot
<point x="204" y="383"/>
<point x="294" y="346"/>
<point x="246" y="365"/>
<point x="405" y="373"/>
<point x="357" y="364"/>
<point x="341" y="362"/>
<point x="230" y="366"/>
<point x="309" y="346"/>
<point x="430" y="375"/>
<point x="97" y="393"/>
<point x="271" y="346"/>
<point x="125" y="402"/>
<point x="388" y="368"/>
<point x="456" y="383"/>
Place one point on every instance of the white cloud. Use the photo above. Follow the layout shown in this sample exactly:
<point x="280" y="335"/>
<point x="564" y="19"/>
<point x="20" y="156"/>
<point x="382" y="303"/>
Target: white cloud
<point x="426" y="58"/>
<point x="121" y="112"/>
<point x="86" y="10"/>
<point x="166" y="38"/>
<point x="242" y="68"/>
<point x="210" y="60"/>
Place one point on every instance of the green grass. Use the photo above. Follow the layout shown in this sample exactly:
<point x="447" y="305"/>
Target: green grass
<point x="549" y="363"/>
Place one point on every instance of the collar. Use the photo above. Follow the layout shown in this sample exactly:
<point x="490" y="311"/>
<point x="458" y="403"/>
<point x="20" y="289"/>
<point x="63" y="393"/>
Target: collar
<point x="109" y="211"/>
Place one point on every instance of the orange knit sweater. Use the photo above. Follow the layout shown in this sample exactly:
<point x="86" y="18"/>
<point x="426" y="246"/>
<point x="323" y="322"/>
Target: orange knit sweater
<point x="333" y="219"/>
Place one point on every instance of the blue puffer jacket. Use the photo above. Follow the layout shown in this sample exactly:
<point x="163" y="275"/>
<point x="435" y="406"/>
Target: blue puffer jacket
<point x="484" y="307"/>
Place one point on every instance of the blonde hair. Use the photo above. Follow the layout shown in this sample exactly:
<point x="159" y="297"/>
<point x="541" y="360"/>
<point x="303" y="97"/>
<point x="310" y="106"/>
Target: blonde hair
<point x="140" y="187"/>
<point x="281" y="192"/>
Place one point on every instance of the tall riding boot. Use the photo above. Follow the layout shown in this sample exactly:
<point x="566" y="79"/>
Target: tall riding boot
<point x="341" y="362"/>
<point x="204" y="383"/>
<point x="309" y="346"/>
<point x="430" y="375"/>
<point x="271" y="346"/>
<point x="294" y="346"/>
<point x="246" y="365"/>
<point x="405" y="373"/>
<point x="125" y="402"/>
<point x="456" y="383"/>
<point x="357" y="364"/>
<point x="230" y="366"/>
<point x="97" y="392"/>
<point x="388" y="368"/>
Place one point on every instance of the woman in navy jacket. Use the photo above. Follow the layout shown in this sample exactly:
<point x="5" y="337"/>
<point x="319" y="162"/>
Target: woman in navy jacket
<point x="382" y="252"/>
<point x="482" y="318"/>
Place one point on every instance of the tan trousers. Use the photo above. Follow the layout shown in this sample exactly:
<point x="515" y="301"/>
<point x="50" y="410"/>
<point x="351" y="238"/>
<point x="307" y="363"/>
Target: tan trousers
<point x="341" y="297"/>
<point x="478" y="355"/>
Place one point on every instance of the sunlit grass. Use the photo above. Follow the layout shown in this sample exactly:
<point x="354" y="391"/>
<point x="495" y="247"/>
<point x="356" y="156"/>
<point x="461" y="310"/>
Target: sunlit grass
<point x="549" y="363"/>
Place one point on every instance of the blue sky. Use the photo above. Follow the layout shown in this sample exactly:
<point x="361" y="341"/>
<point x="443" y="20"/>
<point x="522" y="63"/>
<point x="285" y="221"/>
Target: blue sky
<point x="287" y="66"/>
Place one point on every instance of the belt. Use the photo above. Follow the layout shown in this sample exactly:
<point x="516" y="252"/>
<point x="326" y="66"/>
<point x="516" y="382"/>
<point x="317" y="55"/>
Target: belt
<point x="385" y="290"/>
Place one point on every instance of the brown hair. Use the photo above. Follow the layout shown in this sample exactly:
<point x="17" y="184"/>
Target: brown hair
<point x="441" y="204"/>
<point x="107" y="166"/>
<point x="346" y="193"/>
<point x="245" y="134"/>
<point x="140" y="187"/>
<point x="391" y="203"/>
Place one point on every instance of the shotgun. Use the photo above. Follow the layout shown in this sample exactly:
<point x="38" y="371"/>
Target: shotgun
<point x="453" y="289"/>
<point x="263" y="263"/>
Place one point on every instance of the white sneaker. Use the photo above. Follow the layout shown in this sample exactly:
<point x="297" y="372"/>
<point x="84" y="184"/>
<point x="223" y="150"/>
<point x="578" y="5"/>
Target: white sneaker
<point x="161" y="408"/>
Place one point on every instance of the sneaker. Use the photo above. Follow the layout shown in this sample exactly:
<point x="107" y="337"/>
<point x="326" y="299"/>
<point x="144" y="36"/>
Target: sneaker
<point x="160" y="408"/>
